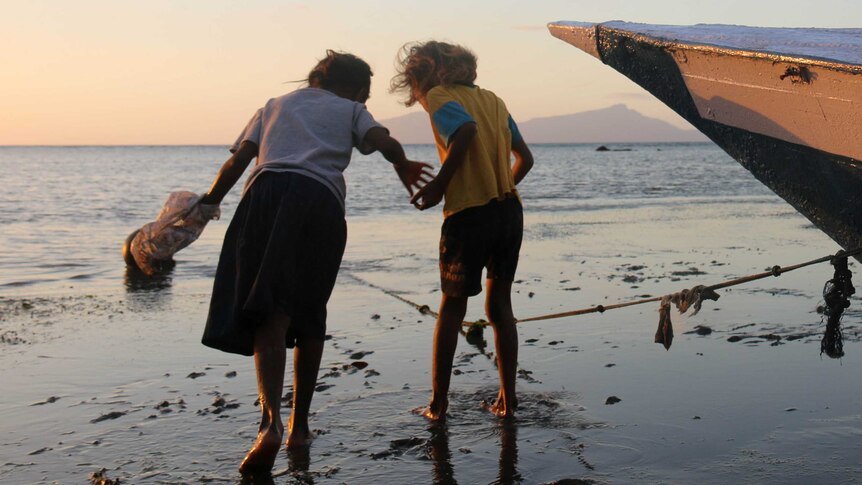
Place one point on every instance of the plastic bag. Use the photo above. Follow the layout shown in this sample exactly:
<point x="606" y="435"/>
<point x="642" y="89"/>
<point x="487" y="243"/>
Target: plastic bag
<point x="180" y="222"/>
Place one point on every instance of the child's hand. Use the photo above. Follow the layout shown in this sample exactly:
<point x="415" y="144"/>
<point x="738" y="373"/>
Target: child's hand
<point x="429" y="195"/>
<point x="412" y="173"/>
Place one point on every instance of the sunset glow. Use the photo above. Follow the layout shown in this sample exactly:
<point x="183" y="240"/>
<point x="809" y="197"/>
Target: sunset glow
<point x="161" y="72"/>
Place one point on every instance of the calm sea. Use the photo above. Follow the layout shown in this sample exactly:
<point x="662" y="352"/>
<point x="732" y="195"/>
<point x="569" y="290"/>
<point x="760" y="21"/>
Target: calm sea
<point x="103" y="370"/>
<point x="66" y="210"/>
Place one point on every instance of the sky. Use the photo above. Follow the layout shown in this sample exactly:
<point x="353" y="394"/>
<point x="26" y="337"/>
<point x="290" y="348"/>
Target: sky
<point x="116" y="72"/>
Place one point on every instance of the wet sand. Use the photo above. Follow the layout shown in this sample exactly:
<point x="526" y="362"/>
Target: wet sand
<point x="118" y="380"/>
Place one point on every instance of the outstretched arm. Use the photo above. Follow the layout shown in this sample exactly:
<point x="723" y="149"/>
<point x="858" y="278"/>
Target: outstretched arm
<point x="432" y="193"/>
<point x="411" y="173"/>
<point x="523" y="160"/>
<point x="230" y="172"/>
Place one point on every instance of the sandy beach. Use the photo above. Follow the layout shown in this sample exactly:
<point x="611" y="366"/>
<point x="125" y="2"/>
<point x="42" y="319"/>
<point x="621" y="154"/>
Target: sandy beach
<point x="108" y="373"/>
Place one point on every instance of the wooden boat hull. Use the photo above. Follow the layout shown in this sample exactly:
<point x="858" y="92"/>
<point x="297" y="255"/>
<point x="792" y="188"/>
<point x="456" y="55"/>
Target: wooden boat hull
<point x="793" y="122"/>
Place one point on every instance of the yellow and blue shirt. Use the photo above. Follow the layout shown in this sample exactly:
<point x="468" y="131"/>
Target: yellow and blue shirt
<point x="486" y="173"/>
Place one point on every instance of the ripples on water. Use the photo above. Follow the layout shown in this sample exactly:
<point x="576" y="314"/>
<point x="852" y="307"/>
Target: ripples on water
<point x="66" y="210"/>
<point x="600" y="226"/>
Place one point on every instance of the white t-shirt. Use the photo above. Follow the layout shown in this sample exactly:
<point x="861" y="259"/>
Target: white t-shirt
<point x="311" y="132"/>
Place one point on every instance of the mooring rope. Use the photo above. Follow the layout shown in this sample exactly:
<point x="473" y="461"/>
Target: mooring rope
<point x="775" y="271"/>
<point x="702" y="291"/>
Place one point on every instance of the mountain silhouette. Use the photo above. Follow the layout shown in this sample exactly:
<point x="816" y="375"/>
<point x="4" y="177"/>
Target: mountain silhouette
<point x="615" y="124"/>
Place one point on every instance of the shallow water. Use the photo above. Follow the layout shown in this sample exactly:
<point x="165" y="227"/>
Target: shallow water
<point x="103" y="368"/>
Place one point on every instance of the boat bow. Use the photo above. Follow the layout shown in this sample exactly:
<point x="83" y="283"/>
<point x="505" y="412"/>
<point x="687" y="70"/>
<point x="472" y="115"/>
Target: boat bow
<point x="785" y="103"/>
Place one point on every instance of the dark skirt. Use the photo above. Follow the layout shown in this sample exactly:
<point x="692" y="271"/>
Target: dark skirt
<point x="282" y="250"/>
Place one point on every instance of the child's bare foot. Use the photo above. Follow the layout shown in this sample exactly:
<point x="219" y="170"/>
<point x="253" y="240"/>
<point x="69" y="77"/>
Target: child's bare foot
<point x="299" y="437"/>
<point x="500" y="408"/>
<point x="435" y="411"/>
<point x="262" y="455"/>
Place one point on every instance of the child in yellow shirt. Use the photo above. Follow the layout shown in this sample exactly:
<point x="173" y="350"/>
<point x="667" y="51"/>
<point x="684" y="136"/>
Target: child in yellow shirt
<point x="483" y="218"/>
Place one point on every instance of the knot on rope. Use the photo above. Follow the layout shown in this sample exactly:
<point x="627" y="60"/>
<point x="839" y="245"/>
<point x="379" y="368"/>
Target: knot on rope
<point x="836" y="295"/>
<point x="600" y="309"/>
<point x="776" y="271"/>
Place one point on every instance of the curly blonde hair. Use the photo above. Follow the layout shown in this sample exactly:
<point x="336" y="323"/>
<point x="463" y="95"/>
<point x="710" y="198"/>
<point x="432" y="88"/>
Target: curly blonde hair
<point x="422" y="66"/>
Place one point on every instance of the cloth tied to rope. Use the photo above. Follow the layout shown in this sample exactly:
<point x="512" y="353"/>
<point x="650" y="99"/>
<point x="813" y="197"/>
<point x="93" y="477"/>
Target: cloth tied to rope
<point x="683" y="300"/>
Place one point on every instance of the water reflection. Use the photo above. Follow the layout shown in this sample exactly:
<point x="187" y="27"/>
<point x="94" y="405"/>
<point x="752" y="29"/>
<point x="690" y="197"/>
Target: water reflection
<point x="444" y="471"/>
<point x="137" y="281"/>
<point x="298" y="460"/>
<point x="261" y="479"/>
<point x="508" y="464"/>
<point x="148" y="293"/>
<point x="438" y="450"/>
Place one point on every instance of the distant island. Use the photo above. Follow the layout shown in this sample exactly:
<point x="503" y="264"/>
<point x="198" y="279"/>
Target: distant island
<point x="615" y="124"/>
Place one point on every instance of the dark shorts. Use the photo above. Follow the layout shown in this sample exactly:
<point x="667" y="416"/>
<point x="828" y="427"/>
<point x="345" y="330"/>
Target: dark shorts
<point x="488" y="236"/>
<point x="281" y="252"/>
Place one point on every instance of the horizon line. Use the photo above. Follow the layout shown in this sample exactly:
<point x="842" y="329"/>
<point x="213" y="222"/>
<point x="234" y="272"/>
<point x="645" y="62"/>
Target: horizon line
<point x="213" y="145"/>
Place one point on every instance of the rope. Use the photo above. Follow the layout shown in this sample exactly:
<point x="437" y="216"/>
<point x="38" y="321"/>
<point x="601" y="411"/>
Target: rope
<point x="423" y="309"/>
<point x="775" y="271"/>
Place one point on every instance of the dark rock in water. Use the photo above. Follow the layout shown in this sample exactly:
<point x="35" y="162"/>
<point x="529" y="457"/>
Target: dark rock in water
<point x="572" y="481"/>
<point x="111" y="415"/>
<point x="692" y="271"/>
<point x="50" y="400"/>
<point x="101" y="478"/>
<point x="230" y="374"/>
<point x="700" y="330"/>
<point x="527" y="375"/>
<point x="323" y="387"/>
<point x="612" y="400"/>
<point x="359" y="364"/>
<point x="734" y="338"/>
<point x="603" y="148"/>
<point x="359" y="355"/>
<point x="195" y="375"/>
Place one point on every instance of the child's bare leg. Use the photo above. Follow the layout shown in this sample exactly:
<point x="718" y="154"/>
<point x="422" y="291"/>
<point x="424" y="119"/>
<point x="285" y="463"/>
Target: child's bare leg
<point x="449" y="320"/>
<point x="498" y="307"/>
<point x="306" y="364"/>
<point x="269" y="360"/>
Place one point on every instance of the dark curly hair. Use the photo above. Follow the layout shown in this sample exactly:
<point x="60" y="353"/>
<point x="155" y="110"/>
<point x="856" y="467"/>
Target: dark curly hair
<point x="340" y="70"/>
<point x="422" y="66"/>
